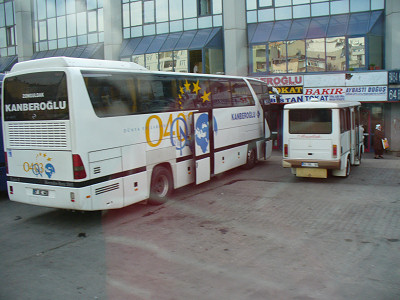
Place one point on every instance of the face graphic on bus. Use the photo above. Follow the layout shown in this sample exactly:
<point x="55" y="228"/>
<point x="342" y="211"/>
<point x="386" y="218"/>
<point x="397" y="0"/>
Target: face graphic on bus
<point x="202" y="132"/>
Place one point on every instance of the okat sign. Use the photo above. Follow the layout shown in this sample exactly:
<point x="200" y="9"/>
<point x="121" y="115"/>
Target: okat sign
<point x="289" y="90"/>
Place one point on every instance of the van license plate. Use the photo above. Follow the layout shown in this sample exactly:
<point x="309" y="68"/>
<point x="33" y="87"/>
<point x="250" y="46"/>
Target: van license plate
<point x="38" y="192"/>
<point x="309" y="164"/>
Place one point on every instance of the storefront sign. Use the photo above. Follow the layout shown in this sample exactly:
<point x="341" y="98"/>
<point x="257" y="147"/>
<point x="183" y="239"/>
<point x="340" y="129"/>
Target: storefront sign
<point x="367" y="78"/>
<point x="300" y="98"/>
<point x="394" y="94"/>
<point x="325" y="94"/>
<point x="367" y="93"/>
<point x="394" y="77"/>
<point x="322" y="80"/>
<point x="288" y="98"/>
<point x="283" y="80"/>
<point x="289" y="89"/>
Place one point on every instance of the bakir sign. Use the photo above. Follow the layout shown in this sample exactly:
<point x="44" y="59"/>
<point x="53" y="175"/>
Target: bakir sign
<point x="291" y="80"/>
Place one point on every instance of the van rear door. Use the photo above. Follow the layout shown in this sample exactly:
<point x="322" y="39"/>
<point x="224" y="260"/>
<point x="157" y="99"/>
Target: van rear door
<point x="310" y="134"/>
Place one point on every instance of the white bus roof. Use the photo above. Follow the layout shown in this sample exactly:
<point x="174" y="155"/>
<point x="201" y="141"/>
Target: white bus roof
<point x="57" y="62"/>
<point x="321" y="104"/>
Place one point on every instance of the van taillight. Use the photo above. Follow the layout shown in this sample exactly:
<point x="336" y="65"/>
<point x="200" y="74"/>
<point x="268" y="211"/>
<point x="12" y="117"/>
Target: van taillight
<point x="79" y="168"/>
<point x="6" y="161"/>
<point x="285" y="150"/>
<point x="334" y="151"/>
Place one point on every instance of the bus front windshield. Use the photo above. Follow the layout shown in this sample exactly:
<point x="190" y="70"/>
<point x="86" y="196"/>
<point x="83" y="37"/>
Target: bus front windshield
<point x="310" y="121"/>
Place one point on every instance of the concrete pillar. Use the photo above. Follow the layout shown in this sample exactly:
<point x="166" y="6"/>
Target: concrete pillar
<point x="24" y="30"/>
<point x="112" y="29"/>
<point x="392" y="36"/>
<point x="235" y="37"/>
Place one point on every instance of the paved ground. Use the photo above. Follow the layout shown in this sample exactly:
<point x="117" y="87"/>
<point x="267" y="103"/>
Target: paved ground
<point x="258" y="234"/>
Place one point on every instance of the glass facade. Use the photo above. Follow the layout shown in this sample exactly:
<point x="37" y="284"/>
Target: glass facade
<point x="274" y="10"/>
<point x="173" y="35"/>
<point x="7" y="29"/>
<point x="67" y="23"/>
<point x="314" y="35"/>
<point x="152" y="17"/>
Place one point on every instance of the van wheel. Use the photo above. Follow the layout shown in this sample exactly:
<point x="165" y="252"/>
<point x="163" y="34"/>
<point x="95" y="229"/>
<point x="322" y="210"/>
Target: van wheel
<point x="348" y="167"/>
<point x="251" y="158"/>
<point x="161" y="186"/>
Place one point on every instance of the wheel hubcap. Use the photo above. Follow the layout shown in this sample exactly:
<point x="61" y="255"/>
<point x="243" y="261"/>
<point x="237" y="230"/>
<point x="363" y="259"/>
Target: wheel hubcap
<point x="162" y="186"/>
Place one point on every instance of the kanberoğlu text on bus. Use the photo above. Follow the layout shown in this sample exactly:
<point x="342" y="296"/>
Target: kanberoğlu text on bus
<point x="86" y="134"/>
<point x="322" y="135"/>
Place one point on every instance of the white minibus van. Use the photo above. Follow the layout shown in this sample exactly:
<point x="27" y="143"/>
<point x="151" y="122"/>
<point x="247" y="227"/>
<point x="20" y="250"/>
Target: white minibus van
<point x="321" y="136"/>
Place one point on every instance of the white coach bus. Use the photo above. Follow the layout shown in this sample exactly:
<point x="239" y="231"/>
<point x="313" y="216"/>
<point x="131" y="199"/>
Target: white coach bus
<point x="92" y="134"/>
<point x="322" y="136"/>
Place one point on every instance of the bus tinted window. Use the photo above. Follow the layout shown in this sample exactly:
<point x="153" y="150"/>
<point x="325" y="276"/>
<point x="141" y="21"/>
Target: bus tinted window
<point x="261" y="91"/>
<point x="157" y="94"/>
<point x="241" y="95"/>
<point x="221" y="93"/>
<point x="193" y="93"/>
<point x="118" y="94"/>
<point x="36" y="96"/>
<point x="310" y="121"/>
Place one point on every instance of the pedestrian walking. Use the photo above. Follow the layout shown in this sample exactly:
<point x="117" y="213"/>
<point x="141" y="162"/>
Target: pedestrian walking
<point x="378" y="137"/>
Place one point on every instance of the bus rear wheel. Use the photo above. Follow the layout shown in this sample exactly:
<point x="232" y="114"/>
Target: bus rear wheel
<point x="161" y="186"/>
<point x="348" y="167"/>
<point x="251" y="158"/>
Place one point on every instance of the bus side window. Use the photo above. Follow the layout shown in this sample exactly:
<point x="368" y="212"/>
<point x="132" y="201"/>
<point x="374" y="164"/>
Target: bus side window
<point x="145" y="95"/>
<point x="241" y="95"/>
<point x="221" y="94"/>
<point x="198" y="97"/>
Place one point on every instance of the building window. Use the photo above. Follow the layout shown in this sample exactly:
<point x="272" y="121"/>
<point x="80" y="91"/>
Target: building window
<point x="259" y="62"/>
<point x="296" y="56"/>
<point x="204" y="7"/>
<point x="277" y="57"/>
<point x="10" y="36"/>
<point x="266" y="3"/>
<point x="356" y="48"/>
<point x="67" y="23"/>
<point x="315" y="49"/>
<point x="336" y="54"/>
<point x="152" y="61"/>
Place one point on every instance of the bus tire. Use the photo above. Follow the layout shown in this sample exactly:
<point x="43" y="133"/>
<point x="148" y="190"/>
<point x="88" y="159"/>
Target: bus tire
<point x="348" y="166"/>
<point x="161" y="186"/>
<point x="251" y="158"/>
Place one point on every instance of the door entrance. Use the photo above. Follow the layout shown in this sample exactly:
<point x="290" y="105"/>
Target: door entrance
<point x="195" y="61"/>
<point x="203" y="145"/>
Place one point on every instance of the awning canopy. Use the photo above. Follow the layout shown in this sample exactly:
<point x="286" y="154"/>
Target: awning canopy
<point x="188" y="40"/>
<point x="7" y="62"/>
<point x="318" y="27"/>
<point x="95" y="51"/>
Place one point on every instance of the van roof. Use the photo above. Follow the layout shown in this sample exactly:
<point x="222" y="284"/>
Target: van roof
<point x="321" y="104"/>
<point x="61" y="61"/>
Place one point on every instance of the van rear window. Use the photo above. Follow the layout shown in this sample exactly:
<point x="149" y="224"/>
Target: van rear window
<point x="310" y="121"/>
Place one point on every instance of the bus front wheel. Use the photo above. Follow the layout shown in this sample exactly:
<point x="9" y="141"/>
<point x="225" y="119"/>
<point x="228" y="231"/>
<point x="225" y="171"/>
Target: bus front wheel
<point x="161" y="186"/>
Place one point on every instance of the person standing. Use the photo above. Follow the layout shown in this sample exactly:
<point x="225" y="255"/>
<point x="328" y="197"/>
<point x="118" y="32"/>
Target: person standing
<point x="378" y="136"/>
